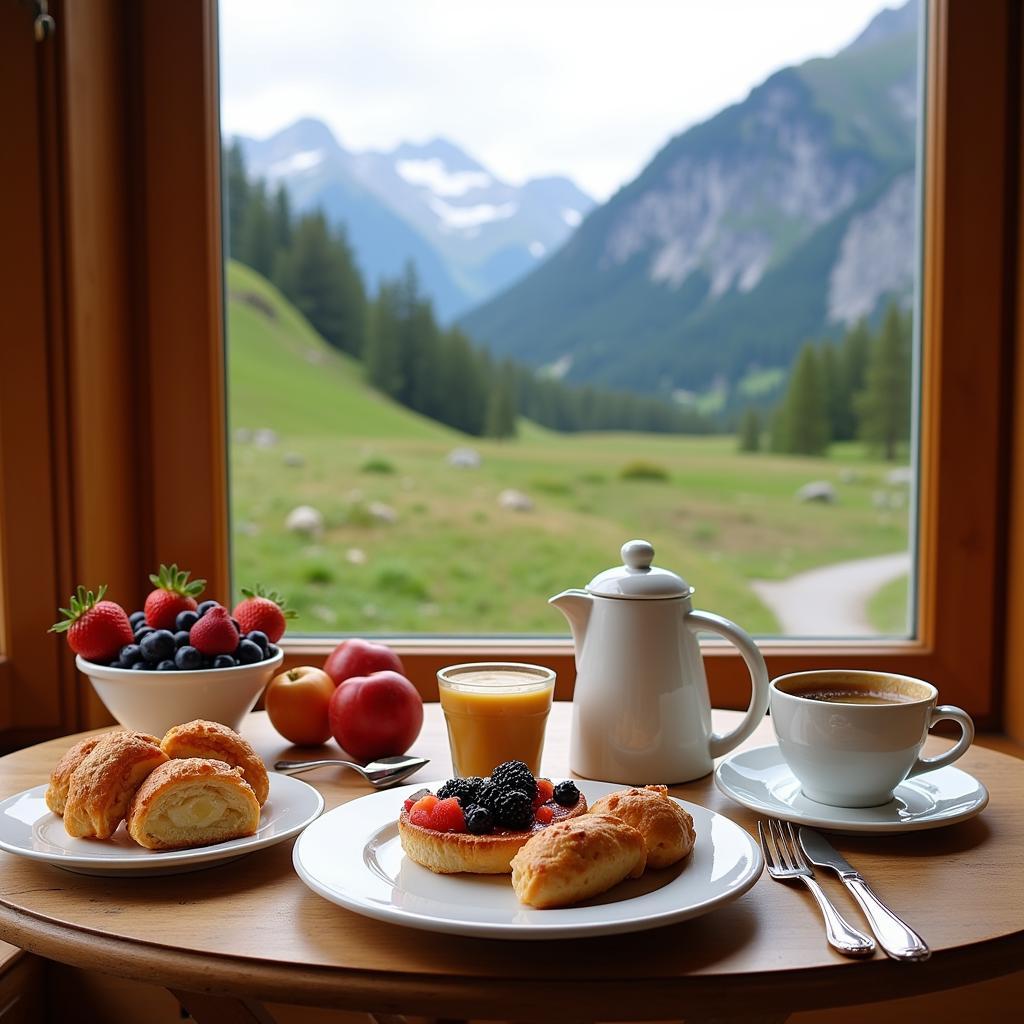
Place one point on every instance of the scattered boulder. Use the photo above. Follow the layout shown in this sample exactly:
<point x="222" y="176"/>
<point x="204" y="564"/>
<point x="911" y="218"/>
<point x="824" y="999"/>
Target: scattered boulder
<point x="355" y="556"/>
<point x="464" y="458"/>
<point x="305" y="519"/>
<point x="888" y="499"/>
<point x="382" y="513"/>
<point x="293" y="459"/>
<point x="265" y="438"/>
<point x="900" y="477"/>
<point x="850" y="476"/>
<point x="243" y="435"/>
<point x="515" y="501"/>
<point x="817" y="490"/>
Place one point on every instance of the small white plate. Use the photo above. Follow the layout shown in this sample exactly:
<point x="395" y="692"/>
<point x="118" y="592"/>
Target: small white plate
<point x="353" y="857"/>
<point x="29" y="829"/>
<point x="761" y="780"/>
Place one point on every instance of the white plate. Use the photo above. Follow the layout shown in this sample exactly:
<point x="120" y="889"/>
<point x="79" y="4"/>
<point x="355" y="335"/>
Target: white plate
<point x="29" y="829"/>
<point x="761" y="780"/>
<point x="353" y="857"/>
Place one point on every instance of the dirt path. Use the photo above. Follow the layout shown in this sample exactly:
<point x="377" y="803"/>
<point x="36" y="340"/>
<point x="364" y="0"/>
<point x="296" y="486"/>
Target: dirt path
<point x="832" y="600"/>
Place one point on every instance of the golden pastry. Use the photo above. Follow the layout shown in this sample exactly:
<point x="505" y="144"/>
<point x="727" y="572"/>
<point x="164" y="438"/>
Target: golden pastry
<point x="666" y="827"/>
<point x="104" y="783"/>
<point x="218" y="742"/>
<point x="192" y="801"/>
<point x="60" y="777"/>
<point x="577" y="859"/>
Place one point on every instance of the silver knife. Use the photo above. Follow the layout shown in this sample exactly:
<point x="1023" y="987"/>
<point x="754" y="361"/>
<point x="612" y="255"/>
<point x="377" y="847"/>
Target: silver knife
<point x="895" y="936"/>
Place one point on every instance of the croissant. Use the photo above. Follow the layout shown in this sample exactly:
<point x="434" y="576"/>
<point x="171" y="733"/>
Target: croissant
<point x="576" y="859"/>
<point x="60" y="777"/>
<point x="105" y="781"/>
<point x="219" y="743"/>
<point x="192" y="802"/>
<point x="666" y="827"/>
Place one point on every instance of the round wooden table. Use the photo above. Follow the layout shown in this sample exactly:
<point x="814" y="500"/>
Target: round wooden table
<point x="250" y="930"/>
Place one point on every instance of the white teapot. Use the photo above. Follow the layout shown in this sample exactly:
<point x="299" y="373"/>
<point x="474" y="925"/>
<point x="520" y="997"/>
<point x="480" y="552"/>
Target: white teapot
<point x="641" y="712"/>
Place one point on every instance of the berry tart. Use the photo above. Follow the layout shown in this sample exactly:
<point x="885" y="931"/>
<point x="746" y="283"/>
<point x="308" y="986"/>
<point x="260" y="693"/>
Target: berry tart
<point x="478" y="825"/>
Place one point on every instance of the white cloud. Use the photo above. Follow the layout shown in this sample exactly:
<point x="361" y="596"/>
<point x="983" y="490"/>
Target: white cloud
<point x="588" y="88"/>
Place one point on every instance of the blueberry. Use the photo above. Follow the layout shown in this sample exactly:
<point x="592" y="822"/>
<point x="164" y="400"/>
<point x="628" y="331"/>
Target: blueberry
<point x="139" y="666"/>
<point x="143" y="631"/>
<point x="273" y="651"/>
<point x="188" y="659"/>
<point x="205" y="607"/>
<point x="258" y="637"/>
<point x="224" y="661"/>
<point x="186" y="620"/>
<point x="157" y="646"/>
<point x="181" y="638"/>
<point x="130" y="654"/>
<point x="166" y="666"/>
<point x="137" y="619"/>
<point x="248" y="653"/>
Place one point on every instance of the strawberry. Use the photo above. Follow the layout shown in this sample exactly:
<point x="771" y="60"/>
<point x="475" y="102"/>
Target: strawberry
<point x="545" y="814"/>
<point x="545" y="790"/>
<point x="447" y="816"/>
<point x="263" y="610"/>
<point x="173" y="594"/>
<point x="421" y="812"/>
<point x="96" y="629"/>
<point x="214" y="633"/>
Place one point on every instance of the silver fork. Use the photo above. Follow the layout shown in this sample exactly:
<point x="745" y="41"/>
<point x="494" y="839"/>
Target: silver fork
<point x="785" y="862"/>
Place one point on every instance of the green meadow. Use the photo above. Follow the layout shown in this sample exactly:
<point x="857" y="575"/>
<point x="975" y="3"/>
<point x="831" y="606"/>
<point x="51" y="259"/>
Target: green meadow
<point x="412" y="543"/>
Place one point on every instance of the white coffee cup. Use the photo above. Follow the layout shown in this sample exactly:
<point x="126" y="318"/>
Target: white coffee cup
<point x="848" y="750"/>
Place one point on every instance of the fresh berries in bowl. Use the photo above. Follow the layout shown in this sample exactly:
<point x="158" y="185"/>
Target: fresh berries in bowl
<point x="172" y="661"/>
<point x="478" y="825"/>
<point x="263" y="611"/>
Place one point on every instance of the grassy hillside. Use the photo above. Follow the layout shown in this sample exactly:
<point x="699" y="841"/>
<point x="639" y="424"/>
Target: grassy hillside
<point x="454" y="560"/>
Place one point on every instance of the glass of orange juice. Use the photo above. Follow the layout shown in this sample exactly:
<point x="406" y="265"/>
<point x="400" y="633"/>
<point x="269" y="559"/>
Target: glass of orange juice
<point x="496" y="711"/>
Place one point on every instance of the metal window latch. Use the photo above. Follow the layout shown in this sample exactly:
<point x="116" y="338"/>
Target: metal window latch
<point x="43" y="24"/>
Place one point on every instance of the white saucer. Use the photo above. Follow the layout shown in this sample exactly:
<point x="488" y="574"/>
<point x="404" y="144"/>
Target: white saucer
<point x="761" y="780"/>
<point x="353" y="857"/>
<point x="29" y="829"/>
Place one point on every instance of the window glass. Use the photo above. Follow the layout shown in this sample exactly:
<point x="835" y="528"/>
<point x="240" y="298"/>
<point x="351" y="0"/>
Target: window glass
<point x="510" y="284"/>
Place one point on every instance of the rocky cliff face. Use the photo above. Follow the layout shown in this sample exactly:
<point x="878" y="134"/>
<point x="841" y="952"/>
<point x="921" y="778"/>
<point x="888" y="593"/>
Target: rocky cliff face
<point x="786" y="216"/>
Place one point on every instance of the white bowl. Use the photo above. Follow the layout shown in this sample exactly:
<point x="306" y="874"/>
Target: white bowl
<point x="152" y="702"/>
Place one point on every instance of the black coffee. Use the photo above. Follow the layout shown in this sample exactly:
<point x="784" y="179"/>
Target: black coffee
<point x="850" y="695"/>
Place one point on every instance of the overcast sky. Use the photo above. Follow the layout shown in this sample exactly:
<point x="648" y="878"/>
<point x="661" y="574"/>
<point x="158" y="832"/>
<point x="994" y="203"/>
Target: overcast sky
<point x="587" y="88"/>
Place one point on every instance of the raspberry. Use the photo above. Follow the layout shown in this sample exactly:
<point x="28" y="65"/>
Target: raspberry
<point x="515" y="775"/>
<point x="447" y="816"/>
<point x="567" y="794"/>
<point x="544" y="791"/>
<point x="420" y="812"/>
<point x="544" y="815"/>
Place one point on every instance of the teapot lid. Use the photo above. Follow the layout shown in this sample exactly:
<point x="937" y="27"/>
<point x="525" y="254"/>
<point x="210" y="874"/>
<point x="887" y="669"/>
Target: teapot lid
<point x="636" y="577"/>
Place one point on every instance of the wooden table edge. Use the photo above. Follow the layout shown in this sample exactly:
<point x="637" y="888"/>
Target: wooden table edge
<point x="460" y="997"/>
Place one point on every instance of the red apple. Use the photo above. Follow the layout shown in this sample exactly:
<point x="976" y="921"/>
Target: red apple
<point x="376" y="715"/>
<point x="357" y="657"/>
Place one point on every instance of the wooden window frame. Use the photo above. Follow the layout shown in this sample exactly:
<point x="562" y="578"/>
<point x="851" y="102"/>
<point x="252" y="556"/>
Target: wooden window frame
<point x="129" y="97"/>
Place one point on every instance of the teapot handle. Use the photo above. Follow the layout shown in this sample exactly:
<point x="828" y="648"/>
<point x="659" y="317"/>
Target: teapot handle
<point x="721" y="744"/>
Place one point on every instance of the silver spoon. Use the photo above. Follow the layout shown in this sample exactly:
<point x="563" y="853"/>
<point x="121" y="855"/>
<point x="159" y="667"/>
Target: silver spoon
<point x="380" y="774"/>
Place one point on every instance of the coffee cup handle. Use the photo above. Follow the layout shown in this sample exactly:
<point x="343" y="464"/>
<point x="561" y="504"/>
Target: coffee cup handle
<point x="947" y="713"/>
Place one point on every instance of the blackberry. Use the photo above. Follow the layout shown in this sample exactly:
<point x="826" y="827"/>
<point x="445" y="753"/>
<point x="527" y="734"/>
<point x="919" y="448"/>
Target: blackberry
<point x="478" y="820"/>
<point x="513" y="809"/>
<point x="566" y="793"/>
<point x="466" y="791"/>
<point x="515" y="775"/>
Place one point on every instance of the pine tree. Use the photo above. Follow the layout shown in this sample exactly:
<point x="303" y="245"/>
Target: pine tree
<point x="383" y="362"/>
<point x="501" y="405"/>
<point x="320" y="277"/>
<point x="806" y="417"/>
<point x="236" y="187"/>
<point x="855" y="351"/>
<point x="281" y="216"/>
<point x="750" y="431"/>
<point x="883" y="407"/>
<point x="256" y="242"/>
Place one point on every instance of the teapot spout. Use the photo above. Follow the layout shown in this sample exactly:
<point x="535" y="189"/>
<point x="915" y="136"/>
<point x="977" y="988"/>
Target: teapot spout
<point x="576" y="606"/>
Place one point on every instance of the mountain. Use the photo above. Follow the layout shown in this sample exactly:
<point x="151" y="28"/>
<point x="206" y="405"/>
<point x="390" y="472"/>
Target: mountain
<point x="786" y="216"/>
<point x="469" y="233"/>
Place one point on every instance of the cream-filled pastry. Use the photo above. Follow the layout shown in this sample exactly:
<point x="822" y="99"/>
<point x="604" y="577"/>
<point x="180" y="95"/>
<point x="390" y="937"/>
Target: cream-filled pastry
<point x="219" y="743"/>
<point x="192" y="802"/>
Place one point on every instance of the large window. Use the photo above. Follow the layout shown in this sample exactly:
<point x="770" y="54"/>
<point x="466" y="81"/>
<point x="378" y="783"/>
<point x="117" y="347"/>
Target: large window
<point x="514" y="291"/>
